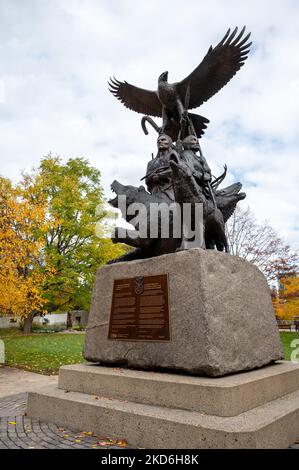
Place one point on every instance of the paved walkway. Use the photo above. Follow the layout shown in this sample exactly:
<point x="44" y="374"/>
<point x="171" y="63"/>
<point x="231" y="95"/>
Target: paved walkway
<point x="17" y="431"/>
<point x="14" y="381"/>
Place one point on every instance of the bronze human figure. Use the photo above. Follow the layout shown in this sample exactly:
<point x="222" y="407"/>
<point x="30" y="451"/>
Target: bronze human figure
<point x="201" y="169"/>
<point x="158" y="172"/>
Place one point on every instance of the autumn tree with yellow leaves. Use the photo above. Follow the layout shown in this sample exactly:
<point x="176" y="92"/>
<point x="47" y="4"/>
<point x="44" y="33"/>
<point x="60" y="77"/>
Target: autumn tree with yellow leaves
<point x="49" y="248"/>
<point x="286" y="300"/>
<point x="21" y="277"/>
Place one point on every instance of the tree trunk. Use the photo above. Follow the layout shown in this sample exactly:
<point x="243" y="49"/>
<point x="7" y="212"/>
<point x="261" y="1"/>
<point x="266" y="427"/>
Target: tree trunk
<point x="28" y="324"/>
<point x="69" y="321"/>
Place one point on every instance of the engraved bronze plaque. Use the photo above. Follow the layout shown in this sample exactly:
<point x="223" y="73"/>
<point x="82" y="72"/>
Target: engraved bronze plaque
<point x="140" y="309"/>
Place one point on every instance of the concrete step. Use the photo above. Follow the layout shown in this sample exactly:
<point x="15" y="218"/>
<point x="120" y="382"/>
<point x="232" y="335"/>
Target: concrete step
<point x="271" y="425"/>
<point x="225" y="396"/>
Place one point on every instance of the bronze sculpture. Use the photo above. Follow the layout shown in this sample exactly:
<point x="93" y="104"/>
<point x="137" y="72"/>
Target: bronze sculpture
<point x="158" y="172"/>
<point x="180" y="174"/>
<point x="170" y="101"/>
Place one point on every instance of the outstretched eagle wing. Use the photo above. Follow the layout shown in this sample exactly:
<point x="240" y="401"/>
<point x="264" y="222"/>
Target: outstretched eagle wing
<point x="218" y="67"/>
<point x="137" y="99"/>
<point x="228" y="211"/>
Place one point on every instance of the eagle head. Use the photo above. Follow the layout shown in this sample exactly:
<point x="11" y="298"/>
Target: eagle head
<point x="163" y="77"/>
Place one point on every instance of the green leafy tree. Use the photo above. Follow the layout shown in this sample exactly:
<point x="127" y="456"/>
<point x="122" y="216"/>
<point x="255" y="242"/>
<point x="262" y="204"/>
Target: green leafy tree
<point x="72" y="250"/>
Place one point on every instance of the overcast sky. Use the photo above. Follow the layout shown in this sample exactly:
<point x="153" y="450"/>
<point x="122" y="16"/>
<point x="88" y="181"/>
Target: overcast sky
<point x="56" y="57"/>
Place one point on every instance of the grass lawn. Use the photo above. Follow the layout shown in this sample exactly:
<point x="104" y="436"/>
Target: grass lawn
<point x="286" y="339"/>
<point x="41" y="352"/>
<point x="46" y="352"/>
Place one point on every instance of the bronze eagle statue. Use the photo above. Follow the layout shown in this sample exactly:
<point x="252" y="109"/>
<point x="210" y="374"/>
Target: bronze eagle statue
<point x="172" y="100"/>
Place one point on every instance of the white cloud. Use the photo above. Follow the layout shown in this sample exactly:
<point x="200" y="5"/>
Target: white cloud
<point x="56" y="58"/>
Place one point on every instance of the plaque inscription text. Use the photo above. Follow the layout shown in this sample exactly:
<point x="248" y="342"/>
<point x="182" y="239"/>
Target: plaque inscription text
<point x="140" y="309"/>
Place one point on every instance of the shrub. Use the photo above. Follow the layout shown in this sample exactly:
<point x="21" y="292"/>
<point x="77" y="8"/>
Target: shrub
<point x="78" y="328"/>
<point x="55" y="328"/>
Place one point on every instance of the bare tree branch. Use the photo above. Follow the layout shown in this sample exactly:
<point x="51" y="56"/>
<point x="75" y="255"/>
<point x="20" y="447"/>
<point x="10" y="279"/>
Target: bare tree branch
<point x="260" y="245"/>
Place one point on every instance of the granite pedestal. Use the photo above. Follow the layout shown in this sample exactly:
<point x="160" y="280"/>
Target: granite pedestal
<point x="214" y="384"/>
<point x="221" y="316"/>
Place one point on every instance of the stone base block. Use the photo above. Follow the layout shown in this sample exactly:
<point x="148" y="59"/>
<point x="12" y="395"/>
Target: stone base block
<point x="259" y="409"/>
<point x="225" y="396"/>
<point x="221" y="316"/>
